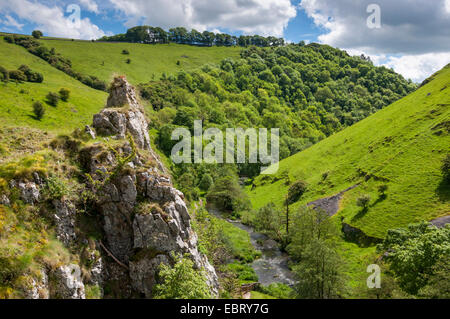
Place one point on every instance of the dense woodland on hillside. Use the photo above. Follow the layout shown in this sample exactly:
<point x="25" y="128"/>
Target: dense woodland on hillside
<point x="309" y="92"/>
<point x="154" y="35"/>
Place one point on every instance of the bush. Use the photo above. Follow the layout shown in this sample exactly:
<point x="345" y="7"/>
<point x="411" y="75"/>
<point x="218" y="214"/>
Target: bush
<point x="206" y="182"/>
<point x="9" y="39"/>
<point x="125" y="51"/>
<point x="37" y="34"/>
<point x="64" y="94"/>
<point x="17" y="75"/>
<point x="4" y="74"/>
<point x="128" y="61"/>
<point x="52" y="98"/>
<point x="31" y="76"/>
<point x="181" y="282"/>
<point x="382" y="189"/>
<point x="363" y="201"/>
<point x="296" y="191"/>
<point x="38" y="110"/>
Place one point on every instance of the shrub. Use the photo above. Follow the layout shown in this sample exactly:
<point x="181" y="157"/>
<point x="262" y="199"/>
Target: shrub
<point x="4" y="74"/>
<point x="125" y="51"/>
<point x="55" y="188"/>
<point x="9" y="39"/>
<point x="382" y="189"/>
<point x="128" y="61"/>
<point x="37" y="34"/>
<point x="52" y="98"/>
<point x="181" y="282"/>
<point x="64" y="94"/>
<point x="206" y="182"/>
<point x="17" y="75"/>
<point x="296" y="191"/>
<point x="363" y="201"/>
<point x="31" y="76"/>
<point x="38" y="110"/>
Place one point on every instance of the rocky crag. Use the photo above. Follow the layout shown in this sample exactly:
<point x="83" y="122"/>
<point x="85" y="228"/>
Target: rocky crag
<point x="143" y="219"/>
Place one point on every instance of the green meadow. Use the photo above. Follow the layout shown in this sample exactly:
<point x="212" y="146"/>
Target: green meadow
<point x="148" y="62"/>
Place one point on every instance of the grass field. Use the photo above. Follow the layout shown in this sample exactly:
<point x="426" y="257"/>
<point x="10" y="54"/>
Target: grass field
<point x="401" y="146"/>
<point x="148" y="62"/>
<point x="16" y="99"/>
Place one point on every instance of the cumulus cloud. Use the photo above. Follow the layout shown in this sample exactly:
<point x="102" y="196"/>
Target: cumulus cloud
<point x="11" y="22"/>
<point x="51" y="20"/>
<point x="265" y="17"/>
<point x="411" y="32"/>
<point x="417" y="67"/>
<point x="90" y="5"/>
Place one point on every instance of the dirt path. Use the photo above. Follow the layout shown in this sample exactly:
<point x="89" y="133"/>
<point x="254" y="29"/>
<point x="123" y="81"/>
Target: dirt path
<point x="441" y="221"/>
<point x="330" y="204"/>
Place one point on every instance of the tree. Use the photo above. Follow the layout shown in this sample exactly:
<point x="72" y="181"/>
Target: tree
<point x="52" y="98"/>
<point x="38" y="110"/>
<point x="37" y="34"/>
<point x="227" y="194"/>
<point x="64" y="94"/>
<point x="319" y="273"/>
<point x="296" y="191"/>
<point x="206" y="182"/>
<point x="268" y="219"/>
<point x="307" y="225"/>
<point x="363" y="201"/>
<point x="438" y="285"/>
<point x="181" y="281"/>
<point x="382" y="189"/>
<point x="414" y="252"/>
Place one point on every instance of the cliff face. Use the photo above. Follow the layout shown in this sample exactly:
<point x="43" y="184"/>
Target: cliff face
<point x="139" y="219"/>
<point x="145" y="219"/>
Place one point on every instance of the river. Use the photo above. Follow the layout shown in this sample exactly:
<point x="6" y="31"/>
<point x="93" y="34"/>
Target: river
<point x="272" y="267"/>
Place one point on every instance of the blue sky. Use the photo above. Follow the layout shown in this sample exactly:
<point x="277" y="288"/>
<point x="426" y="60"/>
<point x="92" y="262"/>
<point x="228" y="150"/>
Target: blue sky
<point x="412" y="36"/>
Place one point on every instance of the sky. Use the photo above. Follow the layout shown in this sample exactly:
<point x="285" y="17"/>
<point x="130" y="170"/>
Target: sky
<point x="410" y="36"/>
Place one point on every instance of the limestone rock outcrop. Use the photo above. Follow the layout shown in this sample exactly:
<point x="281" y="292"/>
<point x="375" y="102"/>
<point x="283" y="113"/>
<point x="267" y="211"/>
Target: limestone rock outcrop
<point x="66" y="283"/>
<point x="145" y="219"/>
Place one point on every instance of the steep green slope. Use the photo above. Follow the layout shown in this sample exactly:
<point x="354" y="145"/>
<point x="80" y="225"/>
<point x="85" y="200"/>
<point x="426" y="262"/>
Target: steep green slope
<point x="16" y="99"/>
<point x="148" y="62"/>
<point x="401" y="146"/>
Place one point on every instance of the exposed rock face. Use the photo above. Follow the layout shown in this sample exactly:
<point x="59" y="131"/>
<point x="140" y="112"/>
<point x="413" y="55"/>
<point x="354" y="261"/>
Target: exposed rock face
<point x="140" y="240"/>
<point x="38" y="287"/>
<point x="29" y="192"/>
<point x="64" y="217"/>
<point x="123" y="114"/>
<point x="66" y="283"/>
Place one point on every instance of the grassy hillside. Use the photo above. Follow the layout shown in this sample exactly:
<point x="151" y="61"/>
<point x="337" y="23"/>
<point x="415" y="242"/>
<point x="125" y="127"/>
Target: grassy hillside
<point x="16" y="99"/>
<point x="148" y="62"/>
<point x="401" y="146"/>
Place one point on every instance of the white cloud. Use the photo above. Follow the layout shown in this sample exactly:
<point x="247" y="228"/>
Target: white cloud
<point x="265" y="17"/>
<point x="407" y="27"/>
<point x="11" y="22"/>
<point x="418" y="67"/>
<point x="413" y="38"/>
<point x="90" y="5"/>
<point x="51" y="20"/>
